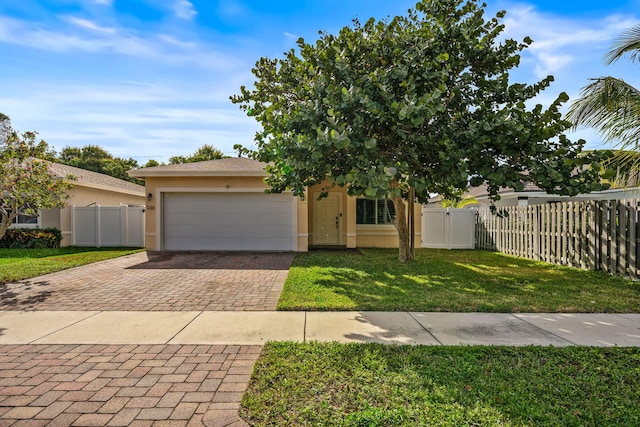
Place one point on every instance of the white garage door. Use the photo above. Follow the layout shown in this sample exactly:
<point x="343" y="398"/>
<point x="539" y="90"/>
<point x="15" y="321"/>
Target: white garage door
<point x="228" y="221"/>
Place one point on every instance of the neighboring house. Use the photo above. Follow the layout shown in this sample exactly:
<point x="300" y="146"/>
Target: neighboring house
<point x="533" y="195"/>
<point x="90" y="188"/>
<point x="222" y="205"/>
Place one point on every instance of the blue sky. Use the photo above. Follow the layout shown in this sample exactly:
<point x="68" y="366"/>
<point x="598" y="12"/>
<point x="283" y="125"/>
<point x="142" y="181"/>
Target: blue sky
<point x="149" y="79"/>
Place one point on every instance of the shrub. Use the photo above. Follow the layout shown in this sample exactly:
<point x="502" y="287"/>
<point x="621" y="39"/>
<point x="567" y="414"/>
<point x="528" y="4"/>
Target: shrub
<point x="29" y="238"/>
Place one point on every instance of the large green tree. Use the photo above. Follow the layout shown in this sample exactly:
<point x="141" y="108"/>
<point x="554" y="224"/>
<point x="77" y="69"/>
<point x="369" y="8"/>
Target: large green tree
<point x="206" y="152"/>
<point x="612" y="106"/>
<point x="414" y="105"/>
<point x="26" y="184"/>
<point x="97" y="159"/>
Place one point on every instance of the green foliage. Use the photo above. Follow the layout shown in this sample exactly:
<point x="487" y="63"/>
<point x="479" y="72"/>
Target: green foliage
<point x="332" y="384"/>
<point x="26" y="184"/>
<point x="151" y="163"/>
<point x="451" y="281"/>
<point x="422" y="101"/>
<point x="426" y="94"/>
<point x="25" y="238"/>
<point x="97" y="159"/>
<point x="206" y="152"/>
<point x="458" y="201"/>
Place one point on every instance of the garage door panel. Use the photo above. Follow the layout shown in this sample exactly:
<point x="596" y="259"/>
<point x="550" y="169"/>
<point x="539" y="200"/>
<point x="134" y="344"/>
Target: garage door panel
<point x="228" y="221"/>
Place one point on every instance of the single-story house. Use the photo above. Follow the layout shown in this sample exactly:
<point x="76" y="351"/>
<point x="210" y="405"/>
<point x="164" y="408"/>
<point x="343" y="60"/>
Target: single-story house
<point x="533" y="195"/>
<point x="222" y="205"/>
<point x="90" y="188"/>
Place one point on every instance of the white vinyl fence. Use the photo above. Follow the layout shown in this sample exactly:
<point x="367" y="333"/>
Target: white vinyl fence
<point x="448" y="228"/>
<point x="98" y="226"/>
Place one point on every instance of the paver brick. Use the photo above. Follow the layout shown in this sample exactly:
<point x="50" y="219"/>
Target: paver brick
<point x="103" y="400"/>
<point x="89" y="420"/>
<point x="172" y="385"/>
<point x="200" y="282"/>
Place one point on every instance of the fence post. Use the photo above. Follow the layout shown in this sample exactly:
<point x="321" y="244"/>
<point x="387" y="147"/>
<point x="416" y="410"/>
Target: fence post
<point x="98" y="234"/>
<point x="591" y="237"/>
<point x="73" y="225"/>
<point x="631" y="206"/>
<point x="124" y="225"/>
<point x="623" y="229"/>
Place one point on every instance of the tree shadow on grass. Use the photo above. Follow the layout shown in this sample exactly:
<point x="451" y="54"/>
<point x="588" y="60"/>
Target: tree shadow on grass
<point x="440" y="280"/>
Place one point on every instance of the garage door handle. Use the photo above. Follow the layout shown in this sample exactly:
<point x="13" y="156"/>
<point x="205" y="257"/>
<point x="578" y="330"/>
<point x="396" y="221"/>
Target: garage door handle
<point x="337" y="223"/>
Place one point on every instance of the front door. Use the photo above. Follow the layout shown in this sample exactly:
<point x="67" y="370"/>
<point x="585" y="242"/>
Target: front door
<point x="327" y="220"/>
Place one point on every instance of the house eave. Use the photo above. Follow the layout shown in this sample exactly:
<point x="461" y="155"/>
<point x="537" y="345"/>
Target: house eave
<point x="183" y="173"/>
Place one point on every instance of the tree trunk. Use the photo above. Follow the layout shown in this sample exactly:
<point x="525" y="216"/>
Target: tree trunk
<point x="5" y="223"/>
<point x="405" y="252"/>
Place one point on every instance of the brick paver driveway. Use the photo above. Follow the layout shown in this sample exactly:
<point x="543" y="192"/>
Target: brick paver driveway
<point x="123" y="385"/>
<point x="204" y="281"/>
<point x="137" y="385"/>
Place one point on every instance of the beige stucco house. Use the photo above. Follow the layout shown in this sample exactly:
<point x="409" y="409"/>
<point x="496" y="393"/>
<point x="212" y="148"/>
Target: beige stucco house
<point x="90" y="188"/>
<point x="222" y="205"/>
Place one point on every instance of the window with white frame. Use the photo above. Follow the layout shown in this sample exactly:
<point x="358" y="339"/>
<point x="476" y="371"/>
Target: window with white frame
<point x="375" y="211"/>
<point x="26" y="221"/>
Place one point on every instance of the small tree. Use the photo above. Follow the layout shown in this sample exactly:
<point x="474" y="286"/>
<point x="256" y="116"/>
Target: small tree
<point x="26" y="184"/>
<point x="415" y="105"/>
<point x="206" y="152"/>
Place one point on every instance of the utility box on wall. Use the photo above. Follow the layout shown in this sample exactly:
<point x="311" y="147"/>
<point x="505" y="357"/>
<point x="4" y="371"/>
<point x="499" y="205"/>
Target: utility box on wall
<point x="448" y="228"/>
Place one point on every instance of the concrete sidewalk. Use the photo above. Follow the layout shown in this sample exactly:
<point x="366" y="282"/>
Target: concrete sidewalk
<point x="258" y="327"/>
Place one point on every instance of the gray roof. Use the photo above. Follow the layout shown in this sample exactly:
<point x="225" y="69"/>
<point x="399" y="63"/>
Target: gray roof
<point x="481" y="192"/>
<point x="94" y="179"/>
<point x="227" y="166"/>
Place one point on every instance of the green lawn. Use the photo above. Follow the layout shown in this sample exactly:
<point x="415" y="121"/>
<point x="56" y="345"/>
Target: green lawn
<point x="455" y="281"/>
<point x="18" y="264"/>
<point x="372" y="385"/>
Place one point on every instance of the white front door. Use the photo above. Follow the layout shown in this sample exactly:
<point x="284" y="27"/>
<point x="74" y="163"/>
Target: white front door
<point x="327" y="220"/>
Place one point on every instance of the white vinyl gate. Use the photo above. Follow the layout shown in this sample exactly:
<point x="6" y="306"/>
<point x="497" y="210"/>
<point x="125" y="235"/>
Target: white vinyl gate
<point x="98" y="226"/>
<point x="448" y="228"/>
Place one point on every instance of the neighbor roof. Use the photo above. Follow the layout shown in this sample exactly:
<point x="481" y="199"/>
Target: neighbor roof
<point x="482" y="192"/>
<point x="234" y="166"/>
<point x="92" y="179"/>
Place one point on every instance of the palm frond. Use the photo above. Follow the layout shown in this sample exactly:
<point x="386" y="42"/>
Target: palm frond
<point x="628" y="42"/>
<point x="459" y="204"/>
<point x="626" y="165"/>
<point x="612" y="107"/>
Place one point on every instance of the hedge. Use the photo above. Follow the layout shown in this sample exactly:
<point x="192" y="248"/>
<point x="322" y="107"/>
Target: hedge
<point x="30" y="238"/>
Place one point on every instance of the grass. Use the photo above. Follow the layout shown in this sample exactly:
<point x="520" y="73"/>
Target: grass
<point x="453" y="281"/>
<point x="331" y="384"/>
<point x="19" y="264"/>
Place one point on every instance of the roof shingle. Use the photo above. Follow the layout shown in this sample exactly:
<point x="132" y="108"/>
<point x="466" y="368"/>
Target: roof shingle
<point x="90" y="178"/>
<point x="226" y="166"/>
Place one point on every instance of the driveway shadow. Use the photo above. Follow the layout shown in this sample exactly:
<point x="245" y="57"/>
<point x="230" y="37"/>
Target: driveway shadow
<point x="24" y="295"/>
<point x="216" y="261"/>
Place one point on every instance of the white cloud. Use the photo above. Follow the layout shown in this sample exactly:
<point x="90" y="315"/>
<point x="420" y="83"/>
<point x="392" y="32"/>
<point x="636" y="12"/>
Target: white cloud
<point x="549" y="64"/>
<point x="231" y="8"/>
<point x="35" y="35"/>
<point x="89" y="25"/>
<point x="560" y="42"/>
<point x="184" y="9"/>
<point x="90" y="36"/>
<point x="174" y="41"/>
